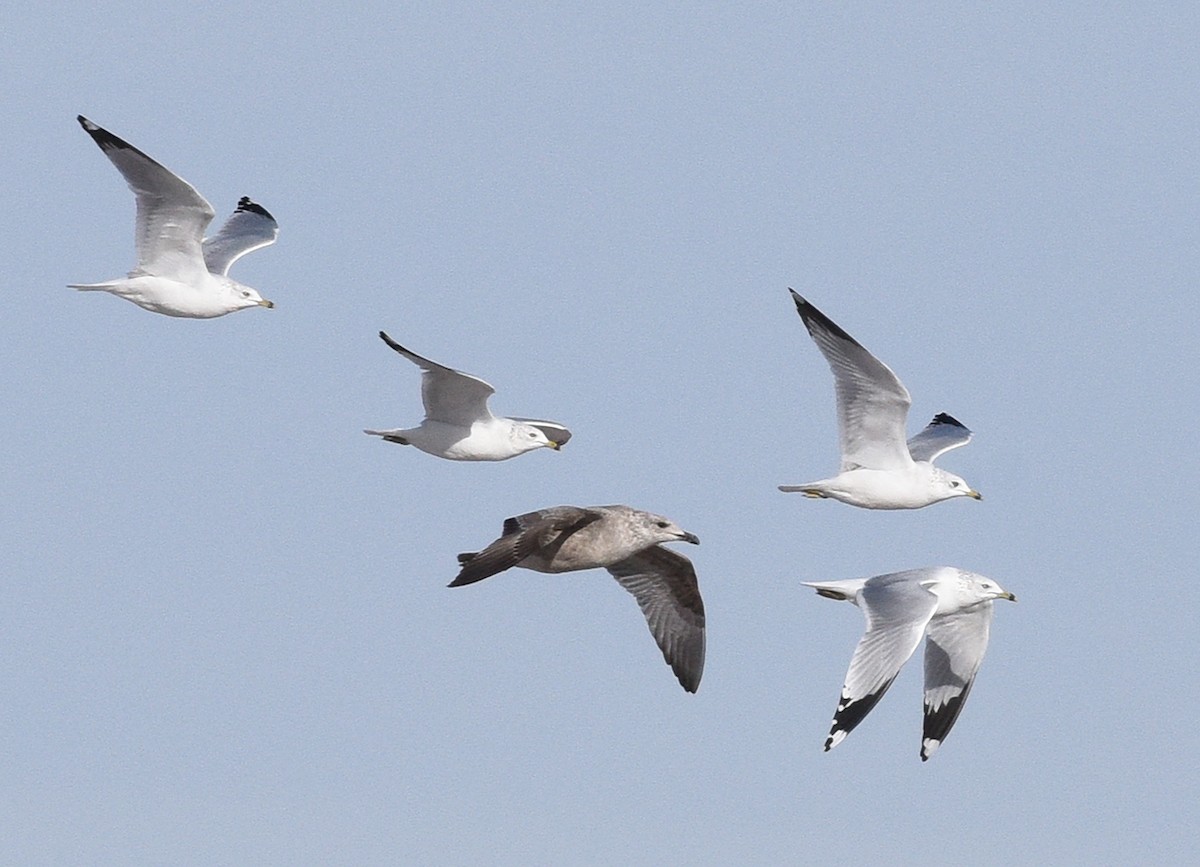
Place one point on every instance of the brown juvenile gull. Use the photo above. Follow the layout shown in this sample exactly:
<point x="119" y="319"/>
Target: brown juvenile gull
<point x="459" y="426"/>
<point x="179" y="272"/>
<point x="879" y="469"/>
<point x="624" y="541"/>
<point x="951" y="607"/>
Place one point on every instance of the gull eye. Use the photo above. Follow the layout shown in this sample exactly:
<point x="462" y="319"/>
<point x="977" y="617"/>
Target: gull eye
<point x="662" y="524"/>
<point x="245" y="294"/>
<point x="954" y="484"/>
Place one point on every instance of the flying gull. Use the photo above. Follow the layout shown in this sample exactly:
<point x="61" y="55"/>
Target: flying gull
<point x="458" y="424"/>
<point x="951" y="607"/>
<point x="626" y="542"/>
<point x="879" y="469"/>
<point x="179" y="272"/>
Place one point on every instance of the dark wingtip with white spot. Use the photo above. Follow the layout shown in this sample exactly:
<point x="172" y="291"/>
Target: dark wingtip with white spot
<point x="102" y="137"/>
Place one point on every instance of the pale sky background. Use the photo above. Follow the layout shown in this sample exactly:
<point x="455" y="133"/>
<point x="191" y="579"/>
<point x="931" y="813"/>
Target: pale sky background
<point x="225" y="628"/>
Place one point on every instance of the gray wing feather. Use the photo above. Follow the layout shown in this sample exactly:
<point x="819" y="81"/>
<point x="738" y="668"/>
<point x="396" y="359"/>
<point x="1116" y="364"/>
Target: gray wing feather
<point x="665" y="587"/>
<point x="171" y="214"/>
<point x="250" y="228"/>
<point x="872" y="402"/>
<point x="941" y="435"/>
<point x="449" y="395"/>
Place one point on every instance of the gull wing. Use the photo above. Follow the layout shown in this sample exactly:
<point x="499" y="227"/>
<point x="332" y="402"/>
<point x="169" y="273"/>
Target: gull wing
<point x="250" y="228"/>
<point x="872" y="403"/>
<point x="554" y="431"/>
<point x="953" y="653"/>
<point x="945" y="432"/>
<point x="171" y="215"/>
<point x="897" y="610"/>
<point x="449" y="395"/>
<point x="523" y="535"/>
<point x="664" y="585"/>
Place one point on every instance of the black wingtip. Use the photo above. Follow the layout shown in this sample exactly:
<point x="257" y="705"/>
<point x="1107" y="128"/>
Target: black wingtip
<point x="814" y="318"/>
<point x="246" y="204"/>
<point x="102" y="137"/>
<point x="946" y="418"/>
<point x="396" y="346"/>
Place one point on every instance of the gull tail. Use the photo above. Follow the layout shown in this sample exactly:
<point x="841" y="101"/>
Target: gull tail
<point x="392" y="436"/>
<point x="844" y="591"/>
<point x="807" y="490"/>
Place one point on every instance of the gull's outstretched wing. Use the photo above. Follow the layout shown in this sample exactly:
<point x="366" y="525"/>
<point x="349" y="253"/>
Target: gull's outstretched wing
<point x="523" y="535"/>
<point x="250" y="228"/>
<point x="897" y="609"/>
<point x="872" y="403"/>
<point x="171" y="215"/>
<point x="664" y="584"/>
<point x="953" y="653"/>
<point x="945" y="432"/>
<point x="449" y="395"/>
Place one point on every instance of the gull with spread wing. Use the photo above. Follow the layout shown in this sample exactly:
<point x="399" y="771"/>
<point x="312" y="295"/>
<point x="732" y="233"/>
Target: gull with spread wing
<point x="179" y="272"/>
<point x="459" y="426"/>
<point x="628" y="543"/>
<point x="951" y="608"/>
<point x="879" y="469"/>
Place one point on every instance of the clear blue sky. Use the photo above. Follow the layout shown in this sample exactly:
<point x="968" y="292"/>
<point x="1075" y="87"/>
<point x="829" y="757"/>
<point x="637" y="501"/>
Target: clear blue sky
<point x="225" y="628"/>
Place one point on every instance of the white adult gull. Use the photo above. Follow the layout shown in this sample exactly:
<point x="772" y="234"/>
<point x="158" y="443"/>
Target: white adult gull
<point x="179" y="272"/>
<point x="626" y="542"/>
<point x="951" y="608"/>
<point x="459" y="426"/>
<point x="879" y="469"/>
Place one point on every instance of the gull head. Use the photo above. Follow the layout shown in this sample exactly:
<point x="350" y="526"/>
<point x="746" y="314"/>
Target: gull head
<point x="947" y="485"/>
<point x="655" y="529"/>
<point x="526" y="438"/>
<point x="978" y="588"/>
<point x="244" y="296"/>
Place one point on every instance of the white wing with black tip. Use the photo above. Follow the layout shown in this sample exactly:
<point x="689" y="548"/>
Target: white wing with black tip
<point x="954" y="651"/>
<point x="941" y="435"/>
<point x="171" y="214"/>
<point x="449" y="395"/>
<point x="897" y="610"/>
<point x="250" y="227"/>
<point x="872" y="403"/>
